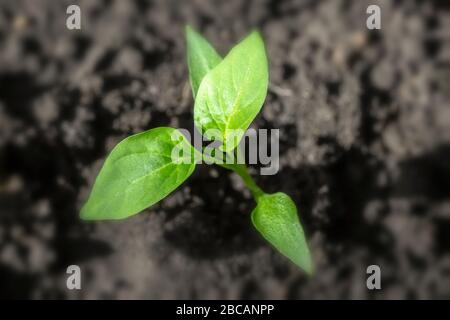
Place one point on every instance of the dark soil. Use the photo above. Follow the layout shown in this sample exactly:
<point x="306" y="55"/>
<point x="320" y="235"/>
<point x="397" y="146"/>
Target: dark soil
<point x="365" y="149"/>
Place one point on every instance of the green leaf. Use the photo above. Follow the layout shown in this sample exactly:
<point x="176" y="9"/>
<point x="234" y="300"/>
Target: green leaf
<point x="275" y="217"/>
<point x="139" y="172"/>
<point x="231" y="95"/>
<point x="201" y="58"/>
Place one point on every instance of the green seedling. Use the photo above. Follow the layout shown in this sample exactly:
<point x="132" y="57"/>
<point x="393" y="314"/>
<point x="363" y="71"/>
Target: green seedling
<point x="228" y="93"/>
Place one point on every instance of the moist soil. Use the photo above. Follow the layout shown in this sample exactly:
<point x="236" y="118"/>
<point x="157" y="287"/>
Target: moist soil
<point x="364" y="150"/>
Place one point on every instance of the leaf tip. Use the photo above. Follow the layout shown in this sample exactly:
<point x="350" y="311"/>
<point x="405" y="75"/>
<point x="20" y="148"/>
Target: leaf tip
<point x="255" y="34"/>
<point x="84" y="213"/>
<point x="188" y="30"/>
<point x="308" y="265"/>
<point x="87" y="213"/>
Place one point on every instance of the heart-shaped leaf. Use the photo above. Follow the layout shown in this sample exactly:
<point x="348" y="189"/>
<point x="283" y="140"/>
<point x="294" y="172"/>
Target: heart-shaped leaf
<point x="275" y="217"/>
<point x="231" y="95"/>
<point x="201" y="58"/>
<point x="141" y="170"/>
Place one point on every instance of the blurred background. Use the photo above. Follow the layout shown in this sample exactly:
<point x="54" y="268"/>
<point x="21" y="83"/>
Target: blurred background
<point x="364" y="149"/>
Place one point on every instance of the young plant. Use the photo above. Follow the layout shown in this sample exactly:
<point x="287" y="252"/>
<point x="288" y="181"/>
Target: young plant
<point x="228" y="93"/>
